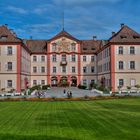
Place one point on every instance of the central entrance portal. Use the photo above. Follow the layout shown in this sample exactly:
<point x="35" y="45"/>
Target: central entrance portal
<point x="64" y="81"/>
<point x="73" y="81"/>
<point x="54" y="81"/>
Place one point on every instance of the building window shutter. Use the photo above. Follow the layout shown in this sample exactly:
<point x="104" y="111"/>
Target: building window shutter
<point x="128" y="65"/>
<point x="128" y="50"/>
<point x="13" y="50"/>
<point x="6" y="50"/>
<point x="14" y="66"/>
<point x="6" y="84"/>
<point x="117" y="65"/>
<point x="136" y="50"/>
<point x="6" y="66"/>
<point x="117" y="50"/>
<point x="117" y="83"/>
<point x="124" y="65"/>
<point x="13" y="84"/>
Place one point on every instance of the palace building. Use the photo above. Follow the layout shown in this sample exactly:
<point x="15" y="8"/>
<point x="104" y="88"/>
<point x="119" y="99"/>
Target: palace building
<point x="111" y="63"/>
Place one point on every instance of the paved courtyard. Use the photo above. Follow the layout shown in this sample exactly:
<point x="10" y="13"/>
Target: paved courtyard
<point x="58" y="92"/>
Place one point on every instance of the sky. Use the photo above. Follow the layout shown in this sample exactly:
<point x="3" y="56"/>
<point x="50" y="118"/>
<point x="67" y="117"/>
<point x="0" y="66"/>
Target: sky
<point x="42" y="19"/>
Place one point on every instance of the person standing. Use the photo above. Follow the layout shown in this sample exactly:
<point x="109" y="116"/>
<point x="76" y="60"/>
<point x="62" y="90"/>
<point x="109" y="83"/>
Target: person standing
<point x="64" y="92"/>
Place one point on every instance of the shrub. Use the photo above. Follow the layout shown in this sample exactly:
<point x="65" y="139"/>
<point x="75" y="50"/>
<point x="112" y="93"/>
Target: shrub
<point x="86" y="97"/>
<point x="45" y="87"/>
<point x="54" y="97"/>
<point x="128" y="87"/>
<point x="3" y="89"/>
<point x="63" y="84"/>
<point x="12" y="90"/>
<point x="101" y="88"/>
<point x="137" y="86"/>
<point x="82" y="86"/>
<point x="38" y="87"/>
<point x="93" y="85"/>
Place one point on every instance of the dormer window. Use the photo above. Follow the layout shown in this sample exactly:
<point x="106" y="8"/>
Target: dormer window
<point x="136" y="37"/>
<point x="123" y="37"/>
<point x="93" y="49"/>
<point x="84" y="49"/>
<point x="3" y="37"/>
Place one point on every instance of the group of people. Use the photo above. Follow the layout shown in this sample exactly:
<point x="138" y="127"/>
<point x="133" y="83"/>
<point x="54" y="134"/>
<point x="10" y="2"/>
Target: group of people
<point x="39" y="94"/>
<point x="68" y="93"/>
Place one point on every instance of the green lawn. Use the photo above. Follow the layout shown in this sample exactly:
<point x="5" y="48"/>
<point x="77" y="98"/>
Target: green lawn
<point x="117" y="119"/>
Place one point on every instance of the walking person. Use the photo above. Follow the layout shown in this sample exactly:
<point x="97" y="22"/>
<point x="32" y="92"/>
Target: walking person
<point x="64" y="92"/>
<point x="70" y="94"/>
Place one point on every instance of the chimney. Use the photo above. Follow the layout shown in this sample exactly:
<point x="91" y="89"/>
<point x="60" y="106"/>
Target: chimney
<point x="6" y="25"/>
<point x="113" y="33"/>
<point x="94" y="37"/>
<point x="122" y="25"/>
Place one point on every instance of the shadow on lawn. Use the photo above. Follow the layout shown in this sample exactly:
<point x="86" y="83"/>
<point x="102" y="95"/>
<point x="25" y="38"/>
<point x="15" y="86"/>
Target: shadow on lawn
<point x="23" y="137"/>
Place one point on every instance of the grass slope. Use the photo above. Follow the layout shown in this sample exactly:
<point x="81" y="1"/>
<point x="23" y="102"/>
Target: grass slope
<point x="82" y="120"/>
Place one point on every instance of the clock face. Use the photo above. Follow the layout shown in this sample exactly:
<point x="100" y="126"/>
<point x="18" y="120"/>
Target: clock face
<point x="63" y="45"/>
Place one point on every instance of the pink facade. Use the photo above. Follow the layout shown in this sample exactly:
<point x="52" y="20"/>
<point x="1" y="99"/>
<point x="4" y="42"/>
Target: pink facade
<point x="67" y="59"/>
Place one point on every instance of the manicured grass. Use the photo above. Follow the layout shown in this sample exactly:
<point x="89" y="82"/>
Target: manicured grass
<point x="78" y="120"/>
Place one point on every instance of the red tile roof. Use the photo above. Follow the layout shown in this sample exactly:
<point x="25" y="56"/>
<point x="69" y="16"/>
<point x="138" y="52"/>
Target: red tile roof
<point x="90" y="46"/>
<point x="37" y="46"/>
<point x="63" y="34"/>
<point x="7" y="36"/>
<point x="126" y="34"/>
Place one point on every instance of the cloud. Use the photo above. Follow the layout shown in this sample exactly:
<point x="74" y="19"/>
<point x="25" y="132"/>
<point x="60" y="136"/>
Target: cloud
<point x="17" y="10"/>
<point x="83" y="2"/>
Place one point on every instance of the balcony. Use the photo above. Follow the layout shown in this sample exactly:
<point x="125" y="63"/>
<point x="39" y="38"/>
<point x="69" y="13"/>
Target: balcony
<point x="63" y="63"/>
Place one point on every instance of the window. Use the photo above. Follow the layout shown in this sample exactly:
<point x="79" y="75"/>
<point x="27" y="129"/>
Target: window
<point x="92" y="58"/>
<point x="42" y="69"/>
<point x="10" y="67"/>
<point x="9" y="83"/>
<point x="54" y="69"/>
<point x="84" y="49"/>
<point x="54" y="47"/>
<point x="64" y="58"/>
<point x="121" y="82"/>
<point x="84" y="58"/>
<point x="34" y="58"/>
<point x="133" y="82"/>
<point x="73" y="58"/>
<point x="85" y="82"/>
<point x="132" y="50"/>
<point x="132" y="64"/>
<point x="34" y="69"/>
<point x="42" y="82"/>
<point x="42" y="58"/>
<point x="34" y="82"/>
<point x="121" y="65"/>
<point x="93" y="81"/>
<point x="120" y="50"/>
<point x="54" y="58"/>
<point x="92" y="69"/>
<point x="73" y="47"/>
<point x="64" y="69"/>
<point x="123" y="37"/>
<point x="9" y="51"/>
<point x="84" y="69"/>
<point x="73" y="69"/>
<point x="4" y="37"/>
<point x="93" y="49"/>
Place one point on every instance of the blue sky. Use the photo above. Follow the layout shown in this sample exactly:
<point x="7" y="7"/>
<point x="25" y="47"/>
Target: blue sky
<point x="42" y="19"/>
